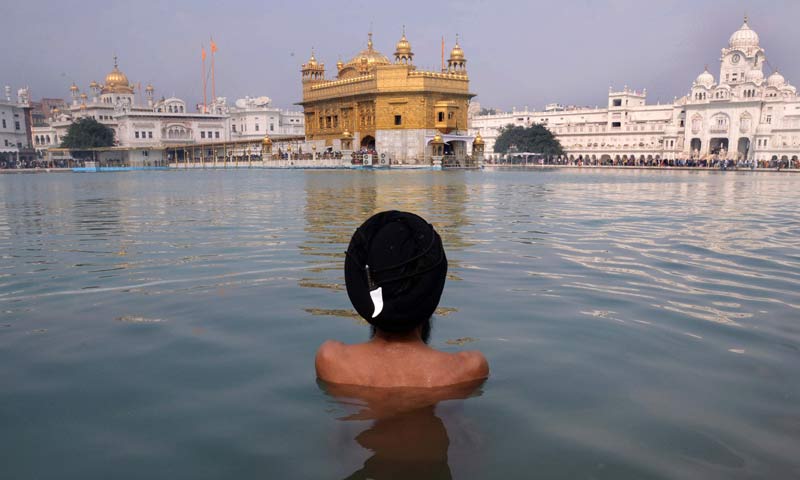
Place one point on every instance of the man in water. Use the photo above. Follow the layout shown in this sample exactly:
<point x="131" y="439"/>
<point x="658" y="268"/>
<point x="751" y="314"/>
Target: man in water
<point x="395" y="271"/>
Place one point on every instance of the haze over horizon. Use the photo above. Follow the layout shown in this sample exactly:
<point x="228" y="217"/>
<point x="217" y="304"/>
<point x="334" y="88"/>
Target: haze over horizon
<point x="518" y="53"/>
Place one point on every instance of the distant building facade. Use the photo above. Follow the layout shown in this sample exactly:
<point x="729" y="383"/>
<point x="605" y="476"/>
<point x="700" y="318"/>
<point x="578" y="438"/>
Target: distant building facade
<point x="255" y="117"/>
<point x="741" y="115"/>
<point x="15" y="128"/>
<point x="145" y="126"/>
<point x="390" y="107"/>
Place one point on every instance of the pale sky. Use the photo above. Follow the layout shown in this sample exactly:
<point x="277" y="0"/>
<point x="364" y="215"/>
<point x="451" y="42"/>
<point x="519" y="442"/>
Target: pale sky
<point x="518" y="52"/>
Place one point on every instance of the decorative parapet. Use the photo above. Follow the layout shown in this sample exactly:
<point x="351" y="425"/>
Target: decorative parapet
<point x="346" y="81"/>
<point x="451" y="76"/>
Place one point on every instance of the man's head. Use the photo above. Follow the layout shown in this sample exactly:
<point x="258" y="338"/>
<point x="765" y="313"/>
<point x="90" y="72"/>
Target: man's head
<point x="395" y="271"/>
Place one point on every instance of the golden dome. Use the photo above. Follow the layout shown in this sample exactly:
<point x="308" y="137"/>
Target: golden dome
<point x="478" y="140"/>
<point x="368" y="57"/>
<point x="73" y="88"/>
<point x="312" y="62"/>
<point x="94" y="84"/>
<point x="83" y="106"/>
<point x="339" y="65"/>
<point x="347" y="134"/>
<point x="149" y="88"/>
<point x="437" y="139"/>
<point x="116" y="81"/>
<point x="457" y="53"/>
<point x="403" y="46"/>
<point x="84" y="96"/>
<point x="267" y="141"/>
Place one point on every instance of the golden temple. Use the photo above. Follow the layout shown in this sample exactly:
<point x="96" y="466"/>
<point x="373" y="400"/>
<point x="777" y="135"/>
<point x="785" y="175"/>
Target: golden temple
<point x="389" y="107"/>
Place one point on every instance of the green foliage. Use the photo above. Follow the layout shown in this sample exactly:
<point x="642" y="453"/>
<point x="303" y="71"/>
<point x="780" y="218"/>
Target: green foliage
<point x="487" y="111"/>
<point x="534" y="139"/>
<point x="87" y="133"/>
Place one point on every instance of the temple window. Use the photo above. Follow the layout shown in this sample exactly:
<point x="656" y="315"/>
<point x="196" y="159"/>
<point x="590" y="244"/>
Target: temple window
<point x="398" y="119"/>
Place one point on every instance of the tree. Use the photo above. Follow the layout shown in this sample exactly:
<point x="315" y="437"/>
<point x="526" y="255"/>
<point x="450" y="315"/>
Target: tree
<point x="533" y="139"/>
<point x="487" y="111"/>
<point x="87" y="133"/>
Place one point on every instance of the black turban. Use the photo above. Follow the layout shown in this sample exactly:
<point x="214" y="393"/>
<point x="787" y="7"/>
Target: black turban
<point x="395" y="270"/>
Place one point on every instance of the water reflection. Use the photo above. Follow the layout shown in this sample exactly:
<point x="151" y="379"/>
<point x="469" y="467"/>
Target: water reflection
<point x="406" y="437"/>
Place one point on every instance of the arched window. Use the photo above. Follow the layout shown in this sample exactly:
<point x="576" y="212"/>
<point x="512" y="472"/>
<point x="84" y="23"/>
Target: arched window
<point x="744" y="122"/>
<point x="697" y="123"/>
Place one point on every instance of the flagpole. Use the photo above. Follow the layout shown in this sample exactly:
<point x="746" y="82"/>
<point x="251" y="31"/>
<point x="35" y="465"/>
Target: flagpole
<point x="213" y="82"/>
<point x="443" y="53"/>
<point x="205" y="99"/>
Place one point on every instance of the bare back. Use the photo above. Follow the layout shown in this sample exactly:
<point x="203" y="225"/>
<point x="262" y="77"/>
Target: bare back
<point x="397" y="363"/>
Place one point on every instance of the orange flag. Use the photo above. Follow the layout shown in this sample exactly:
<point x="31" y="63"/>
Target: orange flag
<point x="203" y="53"/>
<point x="213" y="46"/>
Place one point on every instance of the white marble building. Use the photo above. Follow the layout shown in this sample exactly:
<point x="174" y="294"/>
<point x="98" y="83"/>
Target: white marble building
<point x="741" y="115"/>
<point x="15" y="132"/>
<point x="145" y="126"/>
<point x="252" y="118"/>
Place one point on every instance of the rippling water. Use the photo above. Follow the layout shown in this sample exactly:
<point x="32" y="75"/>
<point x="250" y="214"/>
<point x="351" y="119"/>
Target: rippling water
<point x="638" y="324"/>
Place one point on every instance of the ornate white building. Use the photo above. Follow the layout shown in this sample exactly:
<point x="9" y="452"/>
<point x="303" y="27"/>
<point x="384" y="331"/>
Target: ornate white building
<point x="742" y="115"/>
<point x="252" y="118"/>
<point x="15" y="128"/>
<point x="144" y="126"/>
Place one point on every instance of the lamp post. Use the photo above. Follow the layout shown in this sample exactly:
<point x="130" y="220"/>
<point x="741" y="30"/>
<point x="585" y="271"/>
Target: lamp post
<point x="437" y="152"/>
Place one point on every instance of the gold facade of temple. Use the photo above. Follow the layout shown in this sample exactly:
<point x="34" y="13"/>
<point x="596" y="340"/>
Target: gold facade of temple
<point x="389" y="106"/>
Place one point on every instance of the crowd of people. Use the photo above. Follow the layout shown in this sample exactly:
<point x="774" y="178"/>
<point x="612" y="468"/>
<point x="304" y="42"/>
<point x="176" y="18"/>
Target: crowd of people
<point x="38" y="163"/>
<point x="723" y="164"/>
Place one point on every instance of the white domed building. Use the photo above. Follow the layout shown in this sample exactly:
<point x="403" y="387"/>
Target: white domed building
<point x="146" y="127"/>
<point x="745" y="115"/>
<point x="741" y="114"/>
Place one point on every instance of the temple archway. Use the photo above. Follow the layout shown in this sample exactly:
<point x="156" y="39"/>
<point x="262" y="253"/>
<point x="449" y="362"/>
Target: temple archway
<point x="718" y="144"/>
<point x="368" y="142"/>
<point x="743" y="148"/>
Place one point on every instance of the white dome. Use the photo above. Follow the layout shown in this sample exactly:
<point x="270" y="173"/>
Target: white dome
<point x="789" y="88"/>
<point x="744" y="37"/>
<point x="776" y="80"/>
<point x="755" y="76"/>
<point x="705" y="79"/>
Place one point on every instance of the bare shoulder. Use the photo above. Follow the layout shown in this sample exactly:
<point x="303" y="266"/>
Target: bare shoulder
<point x="469" y="365"/>
<point x="328" y="358"/>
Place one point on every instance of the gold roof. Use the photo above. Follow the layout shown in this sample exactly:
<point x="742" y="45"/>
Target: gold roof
<point x="457" y="53"/>
<point x="94" y="84"/>
<point x="149" y="88"/>
<point x="437" y="139"/>
<point x="116" y="81"/>
<point x="267" y="140"/>
<point x="313" y="64"/>
<point x="403" y="46"/>
<point x="73" y="88"/>
<point x="478" y="140"/>
<point x="368" y="56"/>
